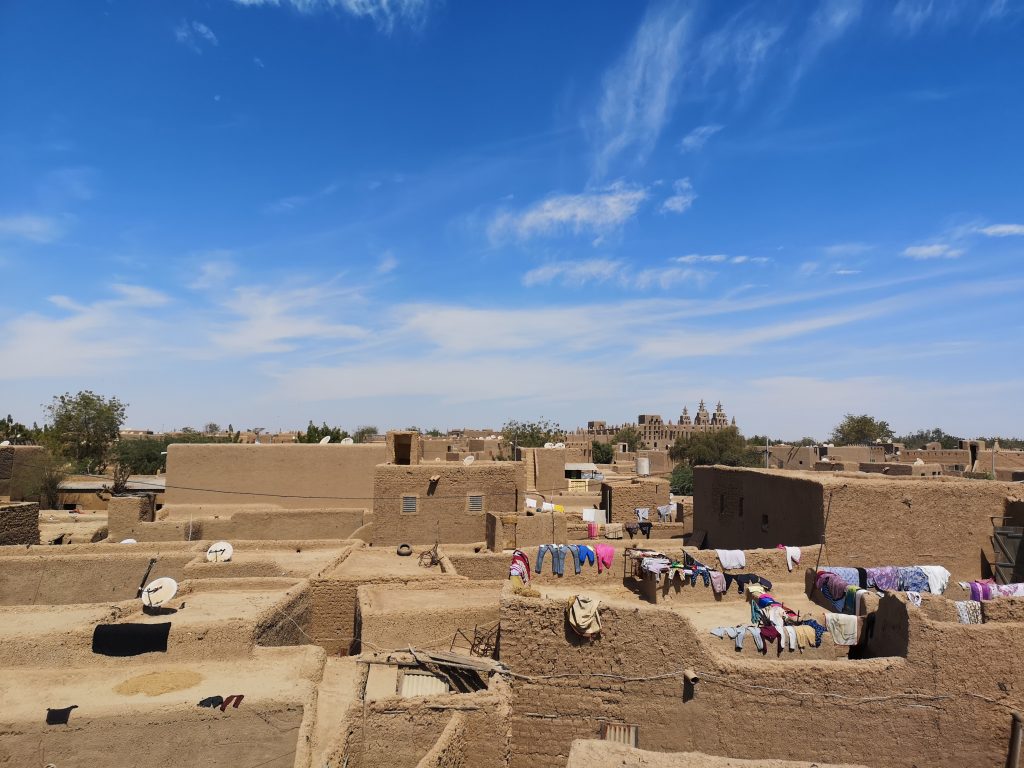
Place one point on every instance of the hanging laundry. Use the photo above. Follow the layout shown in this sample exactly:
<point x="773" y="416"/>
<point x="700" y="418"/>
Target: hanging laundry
<point x="645" y="529"/>
<point x="886" y="577"/>
<point x="642" y="514"/>
<point x="717" y="582"/>
<point x="59" y="716"/>
<point x="819" y="630"/>
<point x="559" y="508"/>
<point x="665" y="513"/>
<point x="792" y="555"/>
<point x="520" y="566"/>
<point x="915" y="598"/>
<point x="731" y="558"/>
<point x="605" y="553"/>
<point x="833" y="587"/>
<point x="842" y="627"/>
<point x="584" y="615"/>
<point x="913" y="579"/>
<point x="968" y="611"/>
<point x="558" y="553"/>
<point x="632" y="528"/>
<point x="938" y="578"/>
<point x="547" y="506"/>
<point x="849" y="575"/>
<point x="586" y="554"/>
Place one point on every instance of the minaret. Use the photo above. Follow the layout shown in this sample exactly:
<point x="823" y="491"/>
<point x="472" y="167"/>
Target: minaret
<point x="685" y="418"/>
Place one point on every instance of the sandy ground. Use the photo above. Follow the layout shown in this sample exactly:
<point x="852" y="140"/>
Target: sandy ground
<point x="391" y="600"/>
<point x="337" y="690"/>
<point x="381" y="562"/>
<point x="592" y="753"/>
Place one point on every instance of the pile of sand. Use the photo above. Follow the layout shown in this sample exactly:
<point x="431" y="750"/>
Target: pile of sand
<point x="156" y="683"/>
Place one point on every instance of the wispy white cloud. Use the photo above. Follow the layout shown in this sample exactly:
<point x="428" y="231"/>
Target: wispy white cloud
<point x="214" y="272"/>
<point x="838" y="250"/>
<point x="574" y="273"/>
<point x="639" y="91"/>
<point x="387" y="263"/>
<point x="720" y="258"/>
<point x="32" y="227"/>
<point x="831" y="20"/>
<point x="1002" y="230"/>
<point x="933" y="251"/>
<point x="682" y="197"/>
<point x="669" y="277"/>
<point x="913" y="16"/>
<point x="741" y="46"/>
<point x="294" y="202"/>
<point x="195" y="34"/>
<point x="266" y="320"/>
<point x="595" y="212"/>
<point x="695" y="140"/>
<point x="385" y="14"/>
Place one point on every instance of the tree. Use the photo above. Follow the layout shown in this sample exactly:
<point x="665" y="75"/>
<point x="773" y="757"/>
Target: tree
<point x="43" y="482"/>
<point x="531" y="434"/>
<point x="315" y="434"/>
<point x="83" y="427"/>
<point x="603" y="452"/>
<point x="363" y="434"/>
<point x="435" y="432"/>
<point x="17" y="433"/>
<point x="629" y="435"/>
<point x="921" y="437"/>
<point x="211" y="428"/>
<point x="725" y="446"/>
<point x="141" y="457"/>
<point x="854" y="430"/>
<point x="681" y="480"/>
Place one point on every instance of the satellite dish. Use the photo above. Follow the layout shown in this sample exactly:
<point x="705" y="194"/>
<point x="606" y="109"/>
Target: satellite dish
<point x="347" y="441"/>
<point x="325" y="439"/>
<point x="159" y="591"/>
<point x="6" y="442"/>
<point x="129" y="541"/>
<point x="559" y="445"/>
<point x="469" y="460"/>
<point x="549" y="445"/>
<point x="220" y="552"/>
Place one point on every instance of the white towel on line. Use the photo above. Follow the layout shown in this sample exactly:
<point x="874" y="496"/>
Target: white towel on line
<point x="938" y="578"/>
<point x="792" y="557"/>
<point x="731" y="558"/>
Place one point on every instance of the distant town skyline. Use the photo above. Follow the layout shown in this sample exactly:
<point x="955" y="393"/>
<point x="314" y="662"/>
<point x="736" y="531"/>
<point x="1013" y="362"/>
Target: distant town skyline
<point x="401" y="213"/>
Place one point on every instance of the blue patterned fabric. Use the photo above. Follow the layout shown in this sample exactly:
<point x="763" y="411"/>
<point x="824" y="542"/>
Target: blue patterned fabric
<point x="912" y="579"/>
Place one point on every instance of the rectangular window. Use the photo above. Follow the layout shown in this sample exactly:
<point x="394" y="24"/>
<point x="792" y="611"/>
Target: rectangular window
<point x="408" y="505"/>
<point x="476" y="503"/>
<point x="623" y="733"/>
<point x="764" y="523"/>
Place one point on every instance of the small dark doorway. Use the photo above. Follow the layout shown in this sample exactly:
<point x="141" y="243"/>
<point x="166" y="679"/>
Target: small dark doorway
<point x="403" y="449"/>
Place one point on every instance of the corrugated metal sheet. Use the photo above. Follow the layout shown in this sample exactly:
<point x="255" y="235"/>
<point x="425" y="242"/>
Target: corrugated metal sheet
<point x="421" y="684"/>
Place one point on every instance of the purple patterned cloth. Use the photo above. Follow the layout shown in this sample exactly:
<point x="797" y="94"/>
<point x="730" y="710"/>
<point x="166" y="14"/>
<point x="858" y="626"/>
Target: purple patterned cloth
<point x="849" y="575"/>
<point x="885" y="577"/>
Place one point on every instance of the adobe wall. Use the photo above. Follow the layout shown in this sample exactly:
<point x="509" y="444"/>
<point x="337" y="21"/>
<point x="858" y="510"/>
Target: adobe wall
<point x="558" y="695"/>
<point x="19" y="468"/>
<point x="296" y="476"/>
<point x="19" y="523"/>
<point x="550" y="470"/>
<point x="511" y="531"/>
<point x="597" y="753"/>
<point x="403" y="731"/>
<point x="626" y="496"/>
<point x="442" y="507"/>
<point x="873" y="520"/>
<point x="424" y="616"/>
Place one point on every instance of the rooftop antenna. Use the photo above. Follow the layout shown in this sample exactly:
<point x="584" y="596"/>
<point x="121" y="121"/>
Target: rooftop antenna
<point x="158" y="592"/>
<point x="469" y="460"/>
<point x="325" y="440"/>
<point x="220" y="552"/>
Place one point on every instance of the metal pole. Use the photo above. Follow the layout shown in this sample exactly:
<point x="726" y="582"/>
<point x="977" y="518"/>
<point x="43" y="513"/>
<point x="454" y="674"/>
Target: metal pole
<point x="1013" y="756"/>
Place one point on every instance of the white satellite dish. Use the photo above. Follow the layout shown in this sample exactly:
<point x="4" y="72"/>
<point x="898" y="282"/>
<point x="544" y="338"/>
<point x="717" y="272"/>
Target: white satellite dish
<point x="6" y="442"/>
<point x="159" y="591"/>
<point x="559" y="445"/>
<point x="549" y="445"/>
<point x="347" y="441"/>
<point x="325" y="439"/>
<point x="220" y="552"/>
<point x="469" y="460"/>
<point x="129" y="541"/>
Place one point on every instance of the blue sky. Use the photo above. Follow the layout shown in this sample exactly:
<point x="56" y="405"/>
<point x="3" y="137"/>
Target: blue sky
<point x="454" y="213"/>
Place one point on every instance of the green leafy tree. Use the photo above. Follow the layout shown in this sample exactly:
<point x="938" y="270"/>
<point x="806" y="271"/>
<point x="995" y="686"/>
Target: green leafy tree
<point x="141" y="457"/>
<point x="603" y="452"/>
<point x="211" y="428"/>
<point x="678" y="450"/>
<point x="629" y="435"/>
<point x="363" y="434"/>
<point x="435" y="432"/>
<point x="725" y="446"/>
<point x="854" y="430"/>
<point x="1005" y="443"/>
<point x="83" y="427"/>
<point x="17" y="433"/>
<point x="315" y="434"/>
<point x="531" y="434"/>
<point x="920" y="438"/>
<point x="681" y="480"/>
